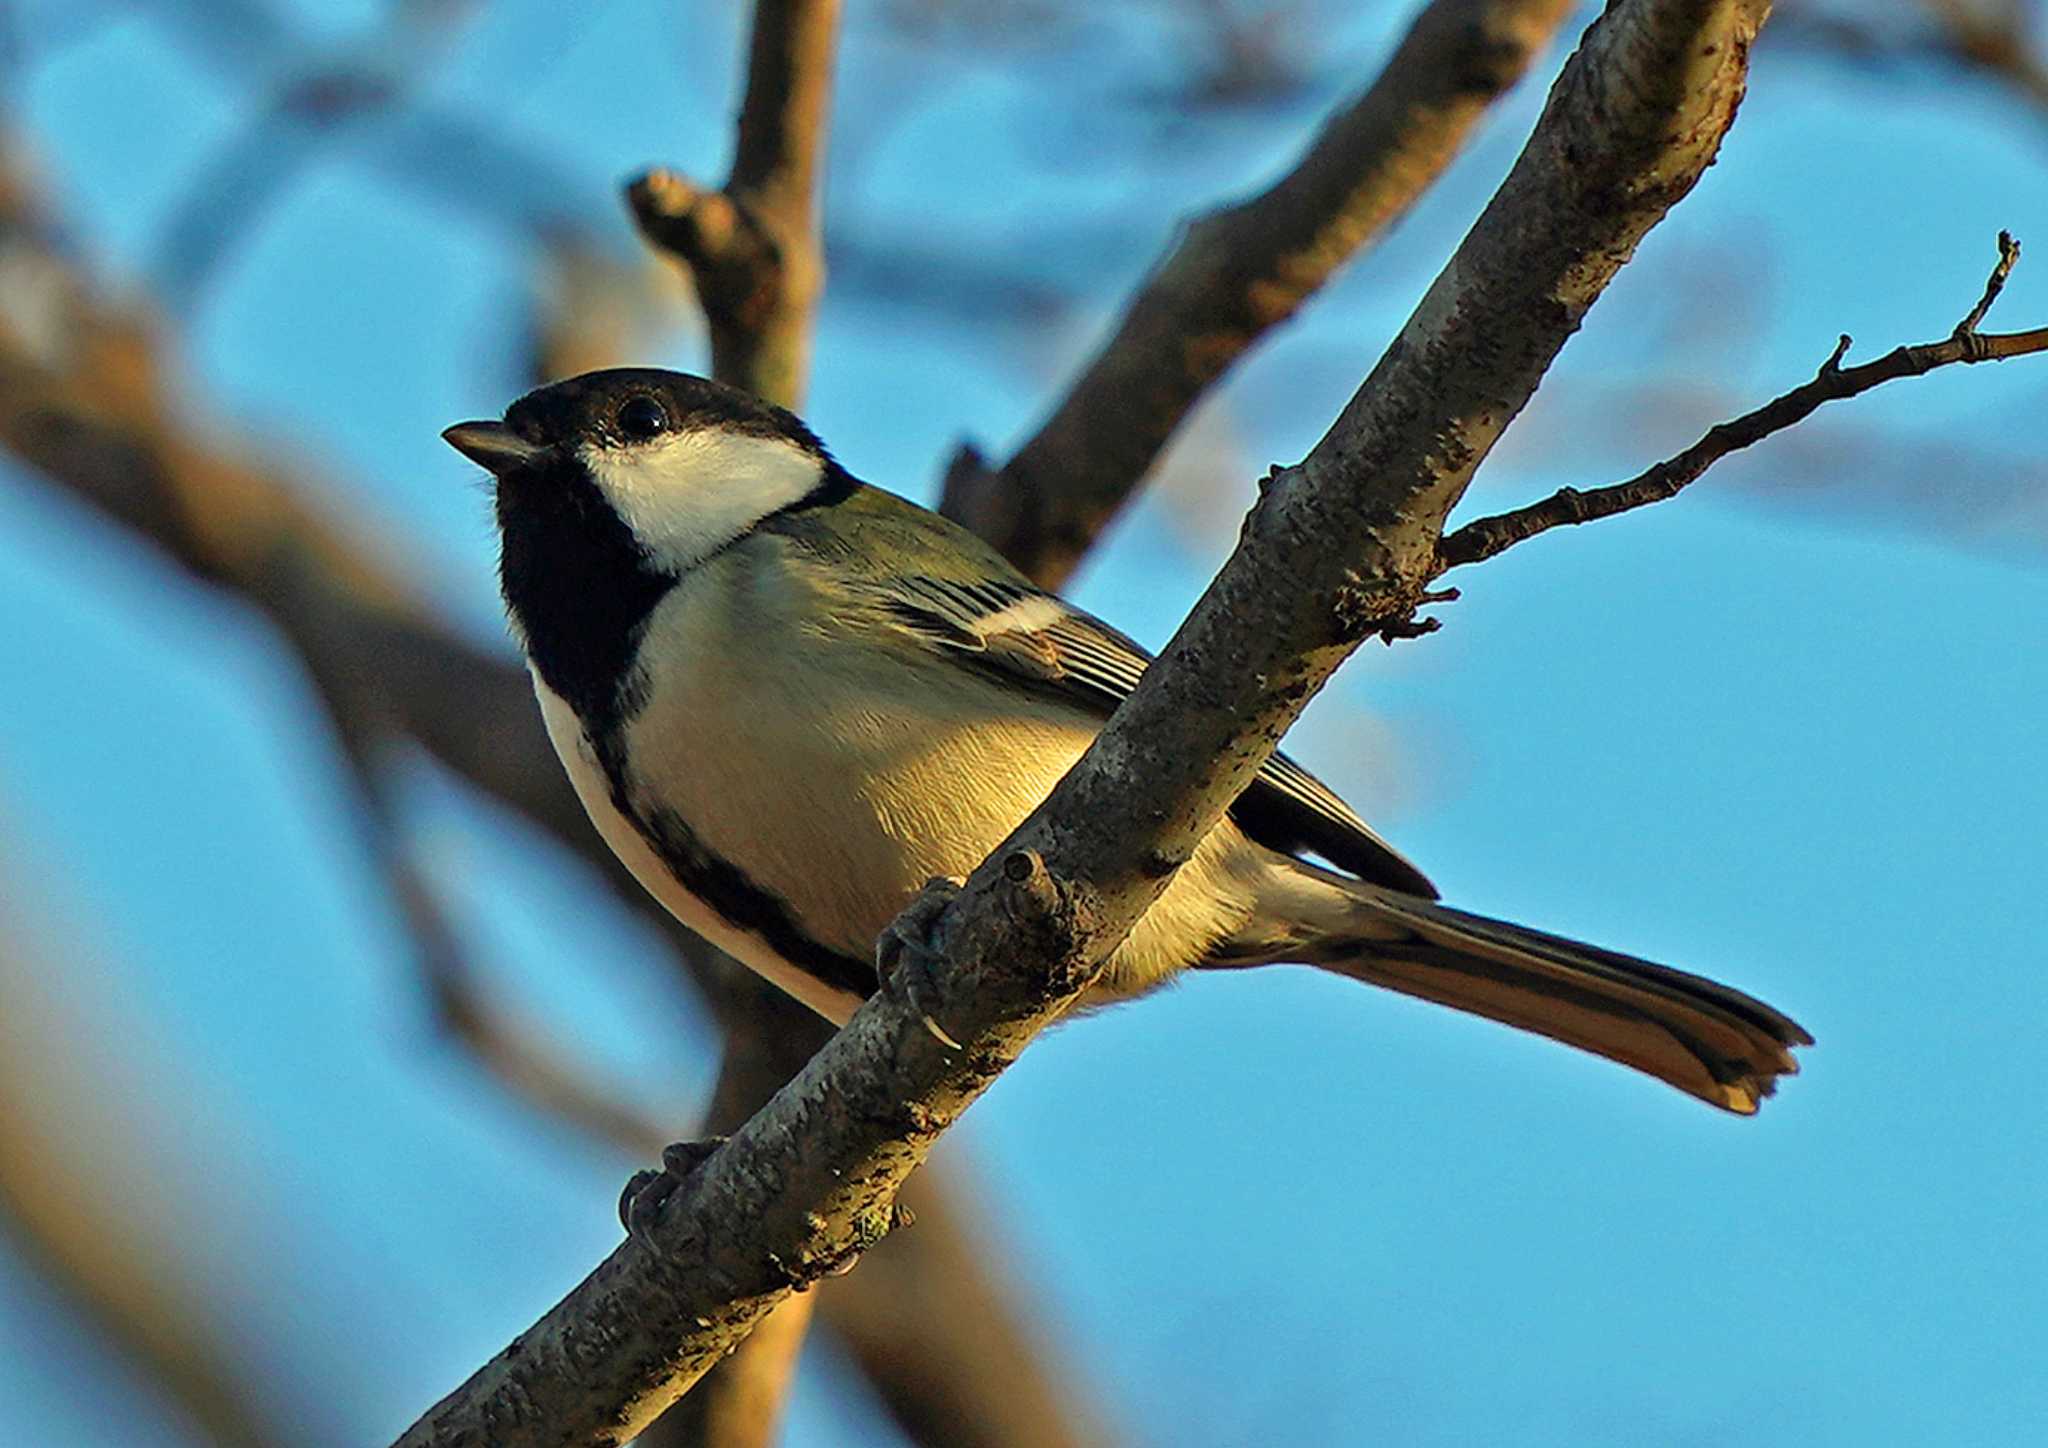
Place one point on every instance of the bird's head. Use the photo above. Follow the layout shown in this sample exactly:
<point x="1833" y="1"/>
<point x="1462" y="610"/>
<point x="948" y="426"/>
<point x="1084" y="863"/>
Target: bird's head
<point x="685" y="464"/>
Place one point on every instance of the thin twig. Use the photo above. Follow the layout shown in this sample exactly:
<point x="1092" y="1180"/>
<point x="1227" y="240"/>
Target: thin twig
<point x="2008" y="258"/>
<point x="1485" y="537"/>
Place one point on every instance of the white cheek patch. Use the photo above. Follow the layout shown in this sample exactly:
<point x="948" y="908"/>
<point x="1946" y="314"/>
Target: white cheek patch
<point x="688" y="494"/>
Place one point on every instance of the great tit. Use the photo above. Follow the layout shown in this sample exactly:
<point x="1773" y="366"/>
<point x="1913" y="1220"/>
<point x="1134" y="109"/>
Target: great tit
<point x="789" y="699"/>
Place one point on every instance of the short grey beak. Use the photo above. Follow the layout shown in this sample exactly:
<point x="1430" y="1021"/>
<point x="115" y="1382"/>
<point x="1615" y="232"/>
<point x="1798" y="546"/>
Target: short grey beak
<point x="491" y="445"/>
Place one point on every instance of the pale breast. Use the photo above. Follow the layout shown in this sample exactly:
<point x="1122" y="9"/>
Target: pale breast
<point x="579" y="759"/>
<point x="846" y="776"/>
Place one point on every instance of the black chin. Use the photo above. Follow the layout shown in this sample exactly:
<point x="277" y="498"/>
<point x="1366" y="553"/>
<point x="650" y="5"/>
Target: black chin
<point x="579" y="585"/>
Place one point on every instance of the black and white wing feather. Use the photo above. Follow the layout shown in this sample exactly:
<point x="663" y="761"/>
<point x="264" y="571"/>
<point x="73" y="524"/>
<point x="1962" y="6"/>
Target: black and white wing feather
<point x="1037" y="639"/>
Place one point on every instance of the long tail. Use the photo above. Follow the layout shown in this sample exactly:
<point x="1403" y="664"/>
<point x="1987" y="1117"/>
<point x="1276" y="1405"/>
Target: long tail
<point x="1708" y="1040"/>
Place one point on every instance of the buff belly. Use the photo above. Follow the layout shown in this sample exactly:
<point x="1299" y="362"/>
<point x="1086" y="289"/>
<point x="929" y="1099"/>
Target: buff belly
<point x="626" y="841"/>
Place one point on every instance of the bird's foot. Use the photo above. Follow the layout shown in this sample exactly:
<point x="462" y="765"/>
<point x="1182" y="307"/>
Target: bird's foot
<point x="647" y="1190"/>
<point x="907" y="955"/>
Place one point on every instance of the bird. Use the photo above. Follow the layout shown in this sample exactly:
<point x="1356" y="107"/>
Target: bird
<point x="789" y="700"/>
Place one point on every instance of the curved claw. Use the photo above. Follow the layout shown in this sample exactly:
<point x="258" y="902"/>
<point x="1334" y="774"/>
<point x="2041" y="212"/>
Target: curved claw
<point x="908" y="953"/>
<point x="637" y="1183"/>
<point x="647" y="1190"/>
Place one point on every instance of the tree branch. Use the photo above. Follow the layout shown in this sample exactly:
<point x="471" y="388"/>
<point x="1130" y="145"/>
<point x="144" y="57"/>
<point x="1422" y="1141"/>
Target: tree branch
<point x="1484" y="537"/>
<point x="326" y="94"/>
<point x="1238" y="272"/>
<point x="753" y="246"/>
<point x="84" y="1109"/>
<point x="755" y="251"/>
<point x="1994" y="40"/>
<point x="1337" y="549"/>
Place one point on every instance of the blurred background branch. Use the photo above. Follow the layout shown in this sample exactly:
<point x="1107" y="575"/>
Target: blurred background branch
<point x="1236" y="272"/>
<point x="753" y="245"/>
<point x="1997" y="40"/>
<point x="89" y="1194"/>
<point x="318" y="101"/>
<point x="753" y="250"/>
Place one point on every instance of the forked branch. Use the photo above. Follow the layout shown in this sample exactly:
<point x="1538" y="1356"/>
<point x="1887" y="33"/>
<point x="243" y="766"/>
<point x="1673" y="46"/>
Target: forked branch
<point x="752" y="246"/>
<point x="1485" y="537"/>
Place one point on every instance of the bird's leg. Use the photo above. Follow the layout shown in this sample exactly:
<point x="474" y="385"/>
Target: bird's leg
<point x="647" y="1190"/>
<point x="908" y="953"/>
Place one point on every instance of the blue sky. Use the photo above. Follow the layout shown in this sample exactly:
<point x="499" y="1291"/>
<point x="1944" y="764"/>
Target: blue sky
<point x="1787" y="730"/>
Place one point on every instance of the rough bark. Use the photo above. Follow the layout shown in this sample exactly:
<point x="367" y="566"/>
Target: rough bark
<point x="739" y="1403"/>
<point x="940" y="1341"/>
<point x="1339" y="548"/>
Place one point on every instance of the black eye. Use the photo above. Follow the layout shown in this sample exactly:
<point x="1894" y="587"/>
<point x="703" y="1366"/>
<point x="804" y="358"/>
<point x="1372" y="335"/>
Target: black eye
<point x="641" y="418"/>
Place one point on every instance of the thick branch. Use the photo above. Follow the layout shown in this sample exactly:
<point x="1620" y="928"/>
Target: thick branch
<point x="1337" y="548"/>
<point x="753" y="245"/>
<point x="1242" y="270"/>
<point x="1484" y="537"/>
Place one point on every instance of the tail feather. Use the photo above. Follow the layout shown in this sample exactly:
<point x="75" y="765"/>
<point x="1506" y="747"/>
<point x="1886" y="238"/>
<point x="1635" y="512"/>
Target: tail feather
<point x="1708" y="1040"/>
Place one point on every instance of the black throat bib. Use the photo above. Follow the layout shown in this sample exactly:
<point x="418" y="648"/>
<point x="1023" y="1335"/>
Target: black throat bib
<point x="580" y="586"/>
